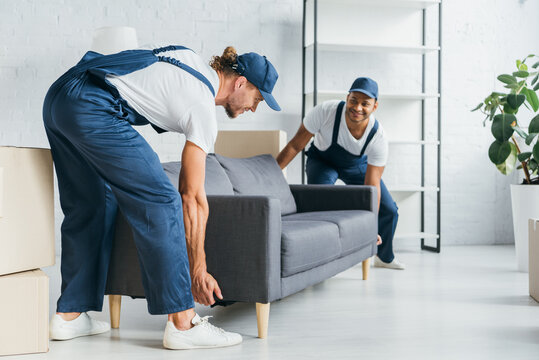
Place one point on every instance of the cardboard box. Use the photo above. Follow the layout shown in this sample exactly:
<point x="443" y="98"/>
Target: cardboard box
<point x="26" y="209"/>
<point x="533" y="226"/>
<point x="246" y="143"/>
<point x="24" y="314"/>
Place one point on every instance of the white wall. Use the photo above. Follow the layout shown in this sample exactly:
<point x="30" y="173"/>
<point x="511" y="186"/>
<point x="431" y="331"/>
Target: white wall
<point x="481" y="38"/>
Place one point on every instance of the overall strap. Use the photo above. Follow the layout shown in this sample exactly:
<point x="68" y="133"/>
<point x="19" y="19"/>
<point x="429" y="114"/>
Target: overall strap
<point x="337" y="122"/>
<point x="369" y="137"/>
<point x="181" y="65"/>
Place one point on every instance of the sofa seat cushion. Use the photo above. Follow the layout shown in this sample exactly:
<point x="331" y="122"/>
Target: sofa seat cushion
<point x="307" y="244"/>
<point x="356" y="228"/>
<point x="259" y="175"/>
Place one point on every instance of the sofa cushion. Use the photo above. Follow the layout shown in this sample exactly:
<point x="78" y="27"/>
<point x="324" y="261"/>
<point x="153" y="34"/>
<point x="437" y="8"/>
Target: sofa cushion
<point x="216" y="182"/>
<point x="307" y="244"/>
<point x="259" y="175"/>
<point x="355" y="226"/>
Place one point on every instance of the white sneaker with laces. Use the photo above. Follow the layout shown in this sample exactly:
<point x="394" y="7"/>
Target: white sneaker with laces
<point x="395" y="264"/>
<point x="83" y="325"/>
<point x="201" y="335"/>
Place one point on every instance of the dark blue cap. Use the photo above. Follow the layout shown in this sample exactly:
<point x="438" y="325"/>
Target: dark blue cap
<point x="366" y="86"/>
<point x="261" y="73"/>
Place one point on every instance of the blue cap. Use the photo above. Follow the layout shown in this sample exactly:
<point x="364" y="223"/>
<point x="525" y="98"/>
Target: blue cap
<point x="261" y="73"/>
<point x="366" y="86"/>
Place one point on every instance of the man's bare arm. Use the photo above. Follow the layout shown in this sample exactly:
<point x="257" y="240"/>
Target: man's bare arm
<point x="195" y="215"/>
<point x="298" y="143"/>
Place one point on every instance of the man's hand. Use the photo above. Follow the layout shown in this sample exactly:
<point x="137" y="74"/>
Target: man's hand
<point x="203" y="286"/>
<point x="379" y="240"/>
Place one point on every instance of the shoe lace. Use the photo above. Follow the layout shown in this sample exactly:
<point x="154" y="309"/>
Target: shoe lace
<point x="204" y="321"/>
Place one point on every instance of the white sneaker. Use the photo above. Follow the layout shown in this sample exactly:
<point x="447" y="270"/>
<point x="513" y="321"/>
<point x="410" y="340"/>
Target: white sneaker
<point x="201" y="335"/>
<point x="84" y="325"/>
<point x="395" y="264"/>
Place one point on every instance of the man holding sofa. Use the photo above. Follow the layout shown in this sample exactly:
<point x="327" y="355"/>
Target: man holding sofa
<point x="350" y="144"/>
<point x="102" y="162"/>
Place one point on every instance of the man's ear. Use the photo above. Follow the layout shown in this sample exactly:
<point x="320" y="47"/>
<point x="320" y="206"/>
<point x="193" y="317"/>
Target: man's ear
<point x="240" y="82"/>
<point x="375" y="106"/>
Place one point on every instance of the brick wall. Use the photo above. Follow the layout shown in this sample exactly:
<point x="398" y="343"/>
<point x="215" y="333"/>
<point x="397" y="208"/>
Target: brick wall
<point x="41" y="39"/>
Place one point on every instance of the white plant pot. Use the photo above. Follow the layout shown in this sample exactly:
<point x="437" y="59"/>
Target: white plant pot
<point x="525" y="205"/>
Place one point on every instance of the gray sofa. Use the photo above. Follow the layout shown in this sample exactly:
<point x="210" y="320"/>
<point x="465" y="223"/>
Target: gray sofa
<point x="265" y="239"/>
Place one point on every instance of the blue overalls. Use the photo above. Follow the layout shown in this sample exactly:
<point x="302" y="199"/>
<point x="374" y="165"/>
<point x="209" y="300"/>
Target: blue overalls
<point x="102" y="163"/>
<point x="325" y="167"/>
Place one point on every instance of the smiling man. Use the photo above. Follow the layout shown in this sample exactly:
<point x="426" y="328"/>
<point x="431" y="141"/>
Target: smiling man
<point x="350" y="144"/>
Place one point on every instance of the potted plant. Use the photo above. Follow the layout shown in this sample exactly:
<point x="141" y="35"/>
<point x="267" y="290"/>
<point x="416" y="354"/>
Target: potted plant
<point x="512" y="144"/>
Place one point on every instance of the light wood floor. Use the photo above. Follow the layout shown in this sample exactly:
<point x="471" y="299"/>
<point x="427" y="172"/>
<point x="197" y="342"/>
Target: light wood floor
<point x="466" y="303"/>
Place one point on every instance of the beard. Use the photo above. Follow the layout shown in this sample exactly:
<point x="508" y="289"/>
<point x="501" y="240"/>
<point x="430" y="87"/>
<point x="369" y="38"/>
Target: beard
<point x="229" y="112"/>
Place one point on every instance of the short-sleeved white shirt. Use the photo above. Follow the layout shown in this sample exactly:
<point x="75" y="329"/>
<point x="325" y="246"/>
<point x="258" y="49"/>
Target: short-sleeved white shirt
<point x="173" y="99"/>
<point x="320" y="120"/>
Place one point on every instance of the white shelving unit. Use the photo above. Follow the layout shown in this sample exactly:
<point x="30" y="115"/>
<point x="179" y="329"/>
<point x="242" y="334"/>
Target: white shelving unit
<point x="347" y="28"/>
<point x="374" y="48"/>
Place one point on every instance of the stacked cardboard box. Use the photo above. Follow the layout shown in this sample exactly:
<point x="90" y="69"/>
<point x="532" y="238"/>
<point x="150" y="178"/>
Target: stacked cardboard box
<point x="533" y="229"/>
<point x="26" y="244"/>
<point x="247" y="143"/>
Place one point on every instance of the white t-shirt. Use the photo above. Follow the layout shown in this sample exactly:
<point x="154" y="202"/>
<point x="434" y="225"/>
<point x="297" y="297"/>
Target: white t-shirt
<point x="320" y="120"/>
<point x="172" y="98"/>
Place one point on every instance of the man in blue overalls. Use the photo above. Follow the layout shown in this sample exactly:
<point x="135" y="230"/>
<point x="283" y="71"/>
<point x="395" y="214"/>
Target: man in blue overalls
<point x="103" y="163"/>
<point x="350" y="144"/>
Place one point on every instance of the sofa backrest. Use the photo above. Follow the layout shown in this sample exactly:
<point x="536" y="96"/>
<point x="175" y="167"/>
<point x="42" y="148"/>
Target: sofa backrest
<point x="216" y="182"/>
<point x="259" y="175"/>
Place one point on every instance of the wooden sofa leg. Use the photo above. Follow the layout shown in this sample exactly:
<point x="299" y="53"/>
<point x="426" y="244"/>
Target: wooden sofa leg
<point x="262" y="318"/>
<point x="366" y="266"/>
<point x="115" y="305"/>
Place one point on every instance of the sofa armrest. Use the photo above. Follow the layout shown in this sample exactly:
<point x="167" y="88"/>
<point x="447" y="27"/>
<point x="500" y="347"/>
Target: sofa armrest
<point x="335" y="197"/>
<point x="243" y="247"/>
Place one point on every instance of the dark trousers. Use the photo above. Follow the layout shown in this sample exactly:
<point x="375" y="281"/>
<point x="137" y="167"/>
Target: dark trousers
<point x="102" y="162"/>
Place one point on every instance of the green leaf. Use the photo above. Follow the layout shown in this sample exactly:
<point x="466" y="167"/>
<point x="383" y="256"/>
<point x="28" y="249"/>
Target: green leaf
<point x="502" y="126"/>
<point x="518" y="63"/>
<point x="536" y="87"/>
<point x="532" y="165"/>
<point x="535" y="151"/>
<point x="507" y="79"/>
<point x="477" y="107"/>
<point x="514" y="86"/>
<point x="508" y="165"/>
<point x="515" y="100"/>
<point x="530" y="138"/>
<point x="524" y="156"/>
<point x="507" y="109"/>
<point x="523" y="67"/>
<point x="520" y="132"/>
<point x="532" y="98"/>
<point x="535" y="79"/>
<point x="521" y="74"/>
<point x="499" y="151"/>
<point x="492" y="113"/>
<point x="534" y="125"/>
<point x="535" y="65"/>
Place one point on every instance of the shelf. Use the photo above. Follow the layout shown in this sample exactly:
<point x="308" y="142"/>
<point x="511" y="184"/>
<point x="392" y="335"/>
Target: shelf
<point x="415" y="4"/>
<point x="416" y="236"/>
<point x="419" y="49"/>
<point x="412" y="188"/>
<point x="337" y="95"/>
